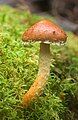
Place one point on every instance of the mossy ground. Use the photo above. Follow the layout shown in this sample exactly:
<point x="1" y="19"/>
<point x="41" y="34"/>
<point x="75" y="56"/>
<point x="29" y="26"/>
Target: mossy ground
<point x="19" y="67"/>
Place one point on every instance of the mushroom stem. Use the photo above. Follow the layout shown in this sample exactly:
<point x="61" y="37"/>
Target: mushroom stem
<point x="44" y="70"/>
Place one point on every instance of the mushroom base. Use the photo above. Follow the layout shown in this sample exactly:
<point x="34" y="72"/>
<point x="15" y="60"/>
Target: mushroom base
<point x="40" y="82"/>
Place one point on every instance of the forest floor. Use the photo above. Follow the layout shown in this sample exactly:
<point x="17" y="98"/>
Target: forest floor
<point x="19" y="67"/>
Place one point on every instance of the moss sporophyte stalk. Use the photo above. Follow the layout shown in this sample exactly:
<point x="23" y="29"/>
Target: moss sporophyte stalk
<point x="43" y="31"/>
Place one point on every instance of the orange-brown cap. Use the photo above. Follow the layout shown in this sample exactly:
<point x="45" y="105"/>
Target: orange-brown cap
<point x="44" y="30"/>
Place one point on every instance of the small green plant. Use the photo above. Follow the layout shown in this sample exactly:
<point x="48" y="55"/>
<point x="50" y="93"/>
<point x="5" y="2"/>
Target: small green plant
<point x="19" y="67"/>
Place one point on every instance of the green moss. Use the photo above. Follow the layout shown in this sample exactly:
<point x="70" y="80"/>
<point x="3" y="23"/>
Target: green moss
<point x="19" y="67"/>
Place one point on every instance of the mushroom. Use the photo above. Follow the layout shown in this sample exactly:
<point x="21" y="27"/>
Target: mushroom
<point x="46" y="32"/>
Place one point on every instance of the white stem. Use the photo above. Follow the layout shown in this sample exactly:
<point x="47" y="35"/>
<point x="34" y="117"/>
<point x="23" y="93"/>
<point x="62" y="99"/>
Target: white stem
<point x="44" y="70"/>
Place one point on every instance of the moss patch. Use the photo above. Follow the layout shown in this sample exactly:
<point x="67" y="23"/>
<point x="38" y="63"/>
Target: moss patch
<point x="19" y="67"/>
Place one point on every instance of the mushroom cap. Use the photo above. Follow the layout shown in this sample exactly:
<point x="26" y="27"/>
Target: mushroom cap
<point x="44" y="31"/>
